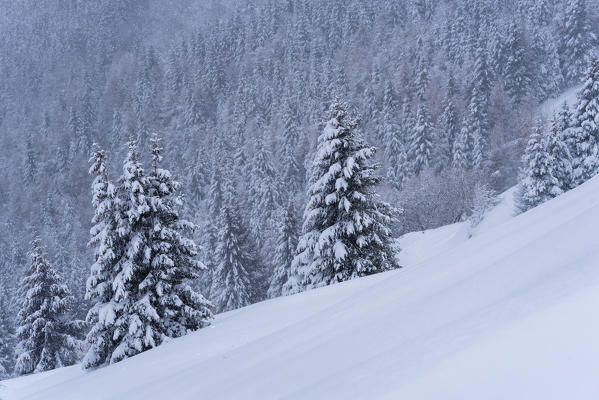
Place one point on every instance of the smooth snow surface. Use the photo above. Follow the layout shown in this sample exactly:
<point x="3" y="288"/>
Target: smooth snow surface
<point x="511" y="313"/>
<point x="549" y="107"/>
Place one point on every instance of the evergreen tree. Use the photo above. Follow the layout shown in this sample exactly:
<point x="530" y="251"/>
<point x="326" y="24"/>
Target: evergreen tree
<point x="536" y="181"/>
<point x="215" y="194"/>
<point x="6" y="339"/>
<point x="421" y="143"/>
<point x="117" y="131"/>
<point x="395" y="152"/>
<point x="480" y="85"/>
<point x="577" y="40"/>
<point x="448" y="128"/>
<point x="88" y="120"/>
<point x="388" y="113"/>
<point x="265" y="198"/>
<point x="285" y="251"/>
<point x="197" y="179"/>
<point x="47" y="336"/>
<point x="292" y="174"/>
<point x="561" y="166"/>
<point x="30" y="164"/>
<point x="231" y="285"/>
<point x="264" y="178"/>
<point x="517" y="77"/>
<point x="132" y="318"/>
<point x="171" y="263"/>
<point x="476" y="123"/>
<point x="399" y="167"/>
<point x="563" y="122"/>
<point x="422" y="75"/>
<point x="586" y="128"/>
<point x="191" y="110"/>
<point x="549" y="77"/>
<point x="346" y="230"/>
<point x="109" y="247"/>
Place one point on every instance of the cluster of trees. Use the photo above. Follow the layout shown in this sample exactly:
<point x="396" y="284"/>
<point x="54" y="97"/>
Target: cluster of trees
<point x="145" y="258"/>
<point x="566" y="154"/>
<point x="445" y="90"/>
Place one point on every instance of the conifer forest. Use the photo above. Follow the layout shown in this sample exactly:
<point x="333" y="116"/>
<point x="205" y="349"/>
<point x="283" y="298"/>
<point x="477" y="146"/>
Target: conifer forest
<point x="163" y="162"/>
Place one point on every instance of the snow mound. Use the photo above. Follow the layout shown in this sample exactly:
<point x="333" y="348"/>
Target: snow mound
<point x="510" y="313"/>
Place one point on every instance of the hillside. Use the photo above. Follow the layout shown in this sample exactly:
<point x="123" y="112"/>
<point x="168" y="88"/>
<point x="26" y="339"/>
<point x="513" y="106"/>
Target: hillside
<point x="238" y="91"/>
<point x="508" y="313"/>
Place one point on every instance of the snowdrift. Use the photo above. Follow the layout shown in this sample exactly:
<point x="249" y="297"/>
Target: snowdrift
<point x="511" y="313"/>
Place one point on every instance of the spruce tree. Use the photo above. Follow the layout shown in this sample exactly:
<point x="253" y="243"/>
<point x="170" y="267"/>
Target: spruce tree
<point x="563" y="122"/>
<point x="586" y="127"/>
<point x="395" y="151"/>
<point x="388" y="114"/>
<point x="117" y="130"/>
<point x="422" y="73"/>
<point x="561" y="166"/>
<point x="346" y="230"/>
<point x="448" y="128"/>
<point x="130" y="318"/>
<point x="421" y="141"/>
<point x="108" y="247"/>
<point x="30" y="163"/>
<point x="133" y="322"/>
<point x="265" y="197"/>
<point x="398" y="166"/>
<point x="263" y="191"/>
<point x="6" y="339"/>
<point x="517" y="77"/>
<point x="577" y="40"/>
<point x="474" y="132"/>
<point x="171" y="260"/>
<point x="231" y="285"/>
<point x="536" y="181"/>
<point x="549" y="77"/>
<point x="48" y="337"/>
<point x="285" y="251"/>
<point x="292" y="172"/>
<point x="215" y="193"/>
<point x="191" y="109"/>
<point x="88" y="120"/>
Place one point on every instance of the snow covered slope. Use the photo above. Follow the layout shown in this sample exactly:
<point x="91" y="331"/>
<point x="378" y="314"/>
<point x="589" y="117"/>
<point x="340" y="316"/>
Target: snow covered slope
<point x="548" y="108"/>
<point x="511" y="313"/>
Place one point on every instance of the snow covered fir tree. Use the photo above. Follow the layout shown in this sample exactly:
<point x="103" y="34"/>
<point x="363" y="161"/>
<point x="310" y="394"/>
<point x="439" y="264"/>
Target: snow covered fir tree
<point x="228" y="128"/>
<point x="285" y="252"/>
<point x="231" y="285"/>
<point x="347" y="229"/>
<point x="6" y="341"/>
<point x="48" y="337"/>
<point x="538" y="183"/>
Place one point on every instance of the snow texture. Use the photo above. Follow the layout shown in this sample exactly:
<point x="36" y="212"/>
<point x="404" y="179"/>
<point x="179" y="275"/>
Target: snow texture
<point x="506" y="314"/>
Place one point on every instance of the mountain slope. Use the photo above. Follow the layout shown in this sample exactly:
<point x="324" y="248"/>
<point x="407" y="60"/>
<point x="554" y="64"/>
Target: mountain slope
<point x="508" y="313"/>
